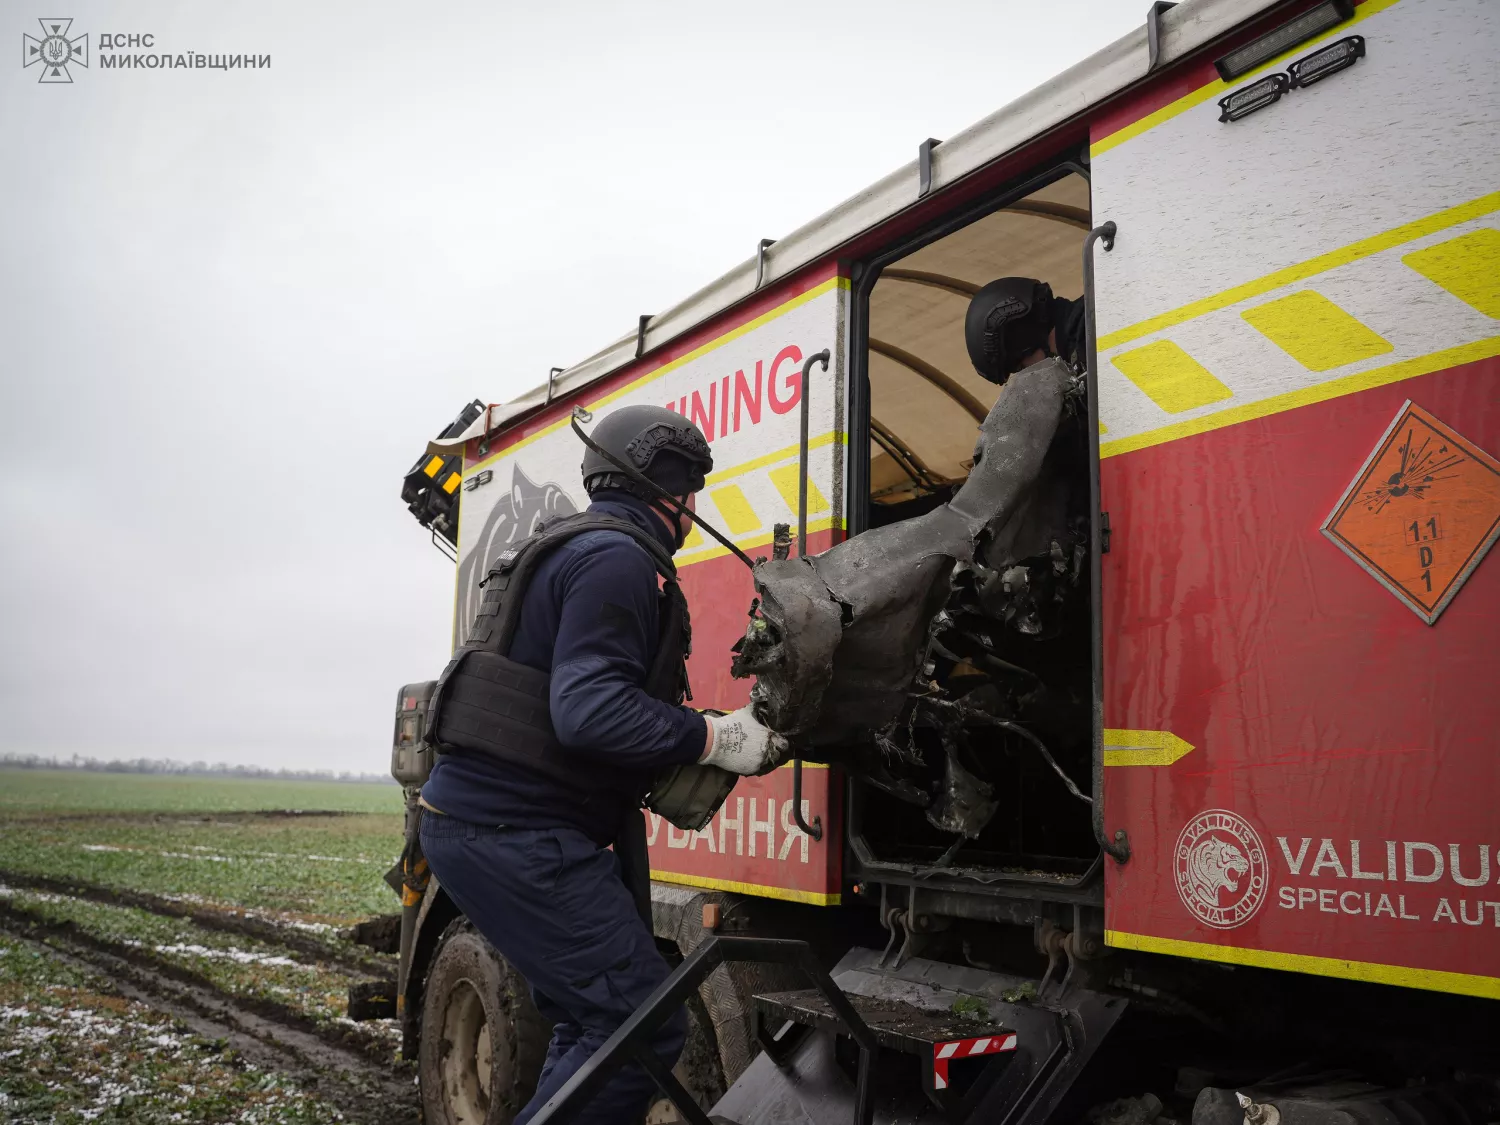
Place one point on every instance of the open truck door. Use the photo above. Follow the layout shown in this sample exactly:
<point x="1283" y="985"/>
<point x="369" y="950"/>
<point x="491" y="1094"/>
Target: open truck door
<point x="1296" y="357"/>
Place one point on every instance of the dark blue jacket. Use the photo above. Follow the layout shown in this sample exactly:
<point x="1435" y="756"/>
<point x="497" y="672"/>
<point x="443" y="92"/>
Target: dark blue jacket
<point x="589" y="618"/>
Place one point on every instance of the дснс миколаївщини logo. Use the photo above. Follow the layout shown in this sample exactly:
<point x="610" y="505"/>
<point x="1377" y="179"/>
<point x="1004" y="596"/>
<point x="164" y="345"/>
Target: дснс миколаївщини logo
<point x="54" y="50"/>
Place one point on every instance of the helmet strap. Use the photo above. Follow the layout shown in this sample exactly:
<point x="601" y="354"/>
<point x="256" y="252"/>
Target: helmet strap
<point x="674" y="521"/>
<point x="657" y="491"/>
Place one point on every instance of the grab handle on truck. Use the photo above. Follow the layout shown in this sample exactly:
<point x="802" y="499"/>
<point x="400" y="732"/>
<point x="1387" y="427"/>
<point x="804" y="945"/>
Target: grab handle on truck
<point x="815" y="829"/>
<point x="823" y="358"/>
<point x="1119" y="846"/>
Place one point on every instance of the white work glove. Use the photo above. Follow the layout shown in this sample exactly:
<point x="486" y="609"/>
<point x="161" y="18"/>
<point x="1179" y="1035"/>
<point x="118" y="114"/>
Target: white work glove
<point x="740" y="743"/>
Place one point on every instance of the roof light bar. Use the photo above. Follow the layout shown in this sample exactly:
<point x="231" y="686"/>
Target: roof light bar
<point x="1241" y="61"/>
<point x="1257" y="95"/>
<point x="1330" y="60"/>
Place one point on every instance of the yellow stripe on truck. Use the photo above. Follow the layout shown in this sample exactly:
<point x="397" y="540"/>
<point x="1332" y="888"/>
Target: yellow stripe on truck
<point x="1465" y="984"/>
<point x="760" y="890"/>
<point x="1218" y="87"/>
<point x="1467" y="266"/>
<point x="833" y="284"/>
<point x="1210" y="363"/>
<point x="787" y="478"/>
<point x="735" y="508"/>
<point x="1487" y="348"/>
<point x="1333" y="259"/>
<point x="1315" y="332"/>
<point x="1171" y="378"/>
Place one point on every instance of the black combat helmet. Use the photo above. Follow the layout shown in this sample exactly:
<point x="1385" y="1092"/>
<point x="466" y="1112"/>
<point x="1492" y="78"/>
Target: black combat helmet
<point x="668" y="449"/>
<point x="1007" y="319"/>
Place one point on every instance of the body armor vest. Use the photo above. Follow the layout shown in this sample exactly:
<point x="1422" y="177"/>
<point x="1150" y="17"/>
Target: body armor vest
<point x="488" y="704"/>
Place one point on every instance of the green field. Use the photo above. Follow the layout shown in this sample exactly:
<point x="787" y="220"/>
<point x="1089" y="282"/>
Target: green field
<point x="307" y="868"/>
<point x="119" y="891"/>
<point x="60" y="791"/>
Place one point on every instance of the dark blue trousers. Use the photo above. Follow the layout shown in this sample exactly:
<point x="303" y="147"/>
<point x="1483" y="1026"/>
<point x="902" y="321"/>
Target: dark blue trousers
<point x="551" y="901"/>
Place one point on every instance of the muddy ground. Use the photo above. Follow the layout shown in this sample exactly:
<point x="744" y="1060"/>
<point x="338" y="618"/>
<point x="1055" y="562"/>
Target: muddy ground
<point x="192" y="967"/>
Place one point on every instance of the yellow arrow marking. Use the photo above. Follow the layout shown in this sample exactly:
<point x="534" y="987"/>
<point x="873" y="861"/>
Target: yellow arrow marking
<point x="1143" y="747"/>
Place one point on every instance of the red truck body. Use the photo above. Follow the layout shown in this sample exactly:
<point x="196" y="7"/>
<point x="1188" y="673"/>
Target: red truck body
<point x="1298" y="367"/>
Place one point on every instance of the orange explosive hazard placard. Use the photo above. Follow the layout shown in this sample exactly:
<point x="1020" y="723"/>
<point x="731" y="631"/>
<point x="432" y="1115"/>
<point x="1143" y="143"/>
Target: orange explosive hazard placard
<point x="1421" y="513"/>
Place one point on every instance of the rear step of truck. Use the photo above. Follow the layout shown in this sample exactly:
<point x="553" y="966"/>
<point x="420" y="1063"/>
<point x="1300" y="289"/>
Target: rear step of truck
<point x="954" y="1048"/>
<point x="630" y="1043"/>
<point x="938" y="1040"/>
<point x="1011" y="1066"/>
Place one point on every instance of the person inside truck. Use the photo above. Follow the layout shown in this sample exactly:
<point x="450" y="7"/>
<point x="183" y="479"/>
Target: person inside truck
<point x="518" y="836"/>
<point x="1014" y="322"/>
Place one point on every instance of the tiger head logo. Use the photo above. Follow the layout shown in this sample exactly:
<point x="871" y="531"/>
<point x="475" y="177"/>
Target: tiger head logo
<point x="515" y="515"/>
<point x="1220" y="868"/>
<point x="1215" y="865"/>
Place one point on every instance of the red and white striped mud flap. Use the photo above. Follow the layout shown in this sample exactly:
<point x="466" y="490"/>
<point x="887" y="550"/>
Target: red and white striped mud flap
<point x="944" y="1053"/>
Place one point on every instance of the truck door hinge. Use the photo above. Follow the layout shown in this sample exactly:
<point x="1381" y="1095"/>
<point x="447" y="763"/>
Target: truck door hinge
<point x="1104" y="533"/>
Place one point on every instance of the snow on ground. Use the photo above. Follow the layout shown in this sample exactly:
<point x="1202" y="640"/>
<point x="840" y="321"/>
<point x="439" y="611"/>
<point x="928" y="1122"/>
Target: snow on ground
<point x="72" y="1052"/>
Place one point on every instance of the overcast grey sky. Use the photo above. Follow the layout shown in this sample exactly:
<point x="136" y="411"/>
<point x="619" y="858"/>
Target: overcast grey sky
<point x="235" y="304"/>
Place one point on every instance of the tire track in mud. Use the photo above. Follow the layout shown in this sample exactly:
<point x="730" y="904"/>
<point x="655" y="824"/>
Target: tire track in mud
<point x="347" y="1070"/>
<point x="371" y="1047"/>
<point x="363" y="966"/>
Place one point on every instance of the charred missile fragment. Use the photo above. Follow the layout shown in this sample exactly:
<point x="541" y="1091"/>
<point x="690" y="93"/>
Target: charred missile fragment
<point x="855" y="650"/>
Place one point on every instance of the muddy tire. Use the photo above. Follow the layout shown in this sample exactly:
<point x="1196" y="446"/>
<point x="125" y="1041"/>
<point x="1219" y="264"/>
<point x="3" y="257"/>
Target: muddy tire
<point x="483" y="1040"/>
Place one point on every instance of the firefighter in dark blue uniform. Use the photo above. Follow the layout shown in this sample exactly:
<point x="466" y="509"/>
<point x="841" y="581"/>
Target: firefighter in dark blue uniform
<point x="521" y="843"/>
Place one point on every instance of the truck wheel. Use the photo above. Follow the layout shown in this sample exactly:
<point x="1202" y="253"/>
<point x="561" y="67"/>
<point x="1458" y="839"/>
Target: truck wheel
<point x="483" y="1040"/>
